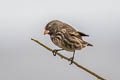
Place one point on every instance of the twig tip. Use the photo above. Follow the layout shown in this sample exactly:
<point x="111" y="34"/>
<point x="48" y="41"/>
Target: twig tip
<point x="31" y="38"/>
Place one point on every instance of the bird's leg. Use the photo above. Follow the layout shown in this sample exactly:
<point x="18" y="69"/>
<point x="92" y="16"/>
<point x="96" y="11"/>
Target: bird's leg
<point x="55" y="51"/>
<point x="72" y="58"/>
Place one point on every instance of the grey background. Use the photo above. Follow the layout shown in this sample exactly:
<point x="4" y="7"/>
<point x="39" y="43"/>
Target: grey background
<point x="22" y="59"/>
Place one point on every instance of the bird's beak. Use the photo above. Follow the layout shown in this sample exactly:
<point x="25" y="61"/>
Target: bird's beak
<point x="46" y="32"/>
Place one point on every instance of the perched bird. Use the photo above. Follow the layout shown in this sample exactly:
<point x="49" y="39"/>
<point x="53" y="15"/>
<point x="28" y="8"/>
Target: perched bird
<point x="65" y="37"/>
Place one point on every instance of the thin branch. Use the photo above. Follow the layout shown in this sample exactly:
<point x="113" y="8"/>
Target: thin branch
<point x="78" y="65"/>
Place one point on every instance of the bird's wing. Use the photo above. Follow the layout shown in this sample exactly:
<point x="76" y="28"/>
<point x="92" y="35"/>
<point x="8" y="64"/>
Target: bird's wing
<point x="82" y="34"/>
<point x="72" y="31"/>
<point x="76" y="34"/>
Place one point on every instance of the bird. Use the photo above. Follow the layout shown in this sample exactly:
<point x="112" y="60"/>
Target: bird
<point x="65" y="37"/>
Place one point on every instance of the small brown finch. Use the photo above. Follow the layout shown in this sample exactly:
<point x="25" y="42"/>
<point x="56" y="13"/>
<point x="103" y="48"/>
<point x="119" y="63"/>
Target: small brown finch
<point x="65" y="37"/>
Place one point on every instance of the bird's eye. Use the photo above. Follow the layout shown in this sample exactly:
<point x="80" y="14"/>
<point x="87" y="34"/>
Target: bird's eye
<point x="50" y="26"/>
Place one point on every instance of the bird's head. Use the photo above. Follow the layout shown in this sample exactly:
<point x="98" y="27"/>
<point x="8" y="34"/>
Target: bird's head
<point x="52" y="27"/>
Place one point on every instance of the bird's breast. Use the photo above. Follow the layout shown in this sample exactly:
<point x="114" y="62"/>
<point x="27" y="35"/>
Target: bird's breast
<point x="67" y="44"/>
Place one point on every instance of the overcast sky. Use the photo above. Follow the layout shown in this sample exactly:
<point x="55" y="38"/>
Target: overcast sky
<point x="23" y="59"/>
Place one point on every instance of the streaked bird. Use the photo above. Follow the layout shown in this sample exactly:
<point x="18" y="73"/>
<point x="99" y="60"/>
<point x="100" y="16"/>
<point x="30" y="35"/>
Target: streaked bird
<point x="65" y="37"/>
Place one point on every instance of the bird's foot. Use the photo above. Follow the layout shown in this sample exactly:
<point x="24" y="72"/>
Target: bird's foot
<point x="71" y="59"/>
<point x="54" y="52"/>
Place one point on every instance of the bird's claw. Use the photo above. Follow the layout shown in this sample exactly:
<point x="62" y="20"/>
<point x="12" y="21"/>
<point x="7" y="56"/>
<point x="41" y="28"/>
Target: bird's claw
<point x="71" y="59"/>
<point x="54" y="52"/>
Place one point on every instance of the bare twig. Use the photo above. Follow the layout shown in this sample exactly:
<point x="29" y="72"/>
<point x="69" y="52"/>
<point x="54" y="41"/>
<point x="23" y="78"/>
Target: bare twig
<point x="78" y="65"/>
